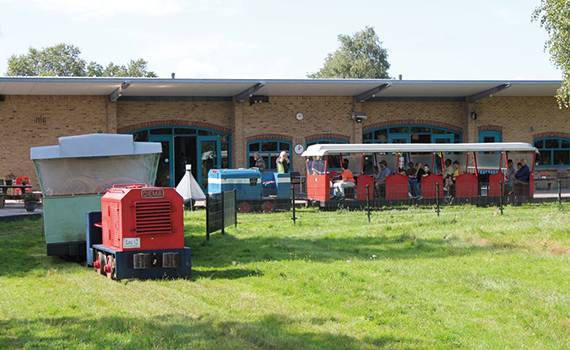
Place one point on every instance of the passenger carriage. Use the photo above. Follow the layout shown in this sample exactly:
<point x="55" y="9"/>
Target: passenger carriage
<point x="484" y="166"/>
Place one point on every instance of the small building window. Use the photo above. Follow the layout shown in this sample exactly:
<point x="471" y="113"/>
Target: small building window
<point x="553" y="152"/>
<point x="268" y="150"/>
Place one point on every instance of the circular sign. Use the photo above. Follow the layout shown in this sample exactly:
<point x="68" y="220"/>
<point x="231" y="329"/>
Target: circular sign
<point x="299" y="116"/>
<point x="299" y="149"/>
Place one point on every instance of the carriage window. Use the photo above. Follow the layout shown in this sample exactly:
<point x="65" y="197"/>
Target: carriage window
<point x="333" y="160"/>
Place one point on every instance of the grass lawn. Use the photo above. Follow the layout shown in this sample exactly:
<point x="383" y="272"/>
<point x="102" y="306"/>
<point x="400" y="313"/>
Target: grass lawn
<point x="468" y="279"/>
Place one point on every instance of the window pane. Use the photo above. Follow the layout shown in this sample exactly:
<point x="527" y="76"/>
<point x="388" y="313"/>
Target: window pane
<point x="140" y="136"/>
<point x="254" y="147"/>
<point x="381" y="135"/>
<point x="551" y="143"/>
<point x="544" y="158"/>
<point x="334" y="162"/>
<point x="421" y="129"/>
<point x="539" y="144"/>
<point x="439" y="131"/>
<point x="367" y="136"/>
<point x="561" y="157"/>
<point x="269" y="146"/>
<point x="184" y="131"/>
<point x="400" y="130"/>
<point x="565" y="144"/>
<point x="205" y="133"/>
<point x="164" y="131"/>
<point x="283" y="146"/>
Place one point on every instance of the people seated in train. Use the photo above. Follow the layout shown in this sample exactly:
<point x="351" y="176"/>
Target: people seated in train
<point x="346" y="181"/>
<point x="380" y="184"/>
<point x="524" y="172"/>
<point x="447" y="175"/>
<point x="318" y="166"/>
<point x="345" y="162"/>
<point x="422" y="172"/>
<point x="457" y="170"/>
<point x="510" y="174"/>
<point x="412" y="180"/>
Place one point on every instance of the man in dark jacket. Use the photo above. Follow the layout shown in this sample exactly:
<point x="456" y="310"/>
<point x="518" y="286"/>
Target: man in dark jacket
<point x="259" y="162"/>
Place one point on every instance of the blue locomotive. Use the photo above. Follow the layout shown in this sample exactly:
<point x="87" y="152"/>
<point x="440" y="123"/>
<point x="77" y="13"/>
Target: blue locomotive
<point x="255" y="191"/>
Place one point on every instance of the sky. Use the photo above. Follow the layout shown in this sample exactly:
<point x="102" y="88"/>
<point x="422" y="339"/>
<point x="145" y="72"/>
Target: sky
<point x="254" y="39"/>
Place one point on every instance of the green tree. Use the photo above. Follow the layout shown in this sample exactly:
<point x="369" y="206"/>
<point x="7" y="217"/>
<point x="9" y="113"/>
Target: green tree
<point x="554" y="16"/>
<point x="64" y="60"/>
<point x="360" y="56"/>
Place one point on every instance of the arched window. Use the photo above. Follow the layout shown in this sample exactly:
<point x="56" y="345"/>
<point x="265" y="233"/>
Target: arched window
<point x="411" y="134"/>
<point x="553" y="151"/>
<point x="334" y="161"/>
<point x="268" y="150"/>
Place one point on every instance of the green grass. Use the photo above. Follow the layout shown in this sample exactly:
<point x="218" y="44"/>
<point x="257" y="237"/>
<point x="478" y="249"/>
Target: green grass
<point x="469" y="279"/>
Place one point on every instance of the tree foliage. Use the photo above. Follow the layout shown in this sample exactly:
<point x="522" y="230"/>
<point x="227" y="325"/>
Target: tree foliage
<point x="360" y="56"/>
<point x="63" y="60"/>
<point x="554" y="16"/>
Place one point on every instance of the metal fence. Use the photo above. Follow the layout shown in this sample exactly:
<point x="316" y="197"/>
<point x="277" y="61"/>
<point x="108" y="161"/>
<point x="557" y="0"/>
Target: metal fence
<point x="220" y="211"/>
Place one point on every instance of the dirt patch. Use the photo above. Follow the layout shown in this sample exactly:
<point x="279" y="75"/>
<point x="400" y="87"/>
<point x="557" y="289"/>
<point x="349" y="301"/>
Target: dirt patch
<point x="557" y="249"/>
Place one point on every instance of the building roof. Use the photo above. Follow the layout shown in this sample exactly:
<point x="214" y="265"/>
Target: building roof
<point x="363" y="89"/>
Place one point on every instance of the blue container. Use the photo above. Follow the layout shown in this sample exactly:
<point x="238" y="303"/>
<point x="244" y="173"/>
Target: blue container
<point x="246" y="182"/>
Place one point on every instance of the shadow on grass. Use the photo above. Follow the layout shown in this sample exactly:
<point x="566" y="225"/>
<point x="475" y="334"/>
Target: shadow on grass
<point x="176" y="331"/>
<point x="223" y="250"/>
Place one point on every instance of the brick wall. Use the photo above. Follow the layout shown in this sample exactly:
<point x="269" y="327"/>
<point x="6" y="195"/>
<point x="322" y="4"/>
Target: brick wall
<point x="31" y="121"/>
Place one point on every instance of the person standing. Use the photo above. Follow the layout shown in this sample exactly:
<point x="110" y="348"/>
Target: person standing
<point x="259" y="162"/>
<point x="282" y="163"/>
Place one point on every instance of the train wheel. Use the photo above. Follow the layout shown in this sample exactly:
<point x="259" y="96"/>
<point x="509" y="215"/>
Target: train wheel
<point x="102" y="262"/>
<point x="110" y="267"/>
<point x="268" y="207"/>
<point x="244" y="207"/>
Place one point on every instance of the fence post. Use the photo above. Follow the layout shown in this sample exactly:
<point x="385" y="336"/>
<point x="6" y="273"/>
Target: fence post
<point x="294" y="218"/>
<point x="235" y="208"/>
<point x="207" y="217"/>
<point x="559" y="194"/>
<point x="368" y="202"/>
<point x="502" y="184"/>
<point x="223" y="214"/>
<point x="437" y="197"/>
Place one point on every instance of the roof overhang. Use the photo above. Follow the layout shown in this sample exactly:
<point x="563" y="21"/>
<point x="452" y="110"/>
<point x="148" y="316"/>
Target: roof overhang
<point x="226" y="89"/>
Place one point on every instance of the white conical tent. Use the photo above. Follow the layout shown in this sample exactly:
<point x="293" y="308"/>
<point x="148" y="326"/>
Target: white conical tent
<point x="188" y="187"/>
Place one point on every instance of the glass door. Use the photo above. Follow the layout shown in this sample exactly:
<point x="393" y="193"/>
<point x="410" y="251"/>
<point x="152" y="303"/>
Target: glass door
<point x="165" y="164"/>
<point x="209" y="153"/>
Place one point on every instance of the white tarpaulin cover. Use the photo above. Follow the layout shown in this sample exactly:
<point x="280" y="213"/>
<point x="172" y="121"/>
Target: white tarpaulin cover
<point x="188" y="188"/>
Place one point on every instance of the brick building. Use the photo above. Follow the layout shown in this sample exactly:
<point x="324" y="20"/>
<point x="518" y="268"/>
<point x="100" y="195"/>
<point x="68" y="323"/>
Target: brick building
<point x="221" y="123"/>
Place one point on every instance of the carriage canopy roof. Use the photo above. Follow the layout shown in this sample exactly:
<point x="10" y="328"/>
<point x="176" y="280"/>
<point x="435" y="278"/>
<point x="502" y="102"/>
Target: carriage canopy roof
<point x="325" y="149"/>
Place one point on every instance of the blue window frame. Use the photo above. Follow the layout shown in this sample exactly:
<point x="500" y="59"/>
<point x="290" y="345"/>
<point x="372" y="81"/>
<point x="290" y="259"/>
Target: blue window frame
<point x="268" y="150"/>
<point x="553" y="151"/>
<point x="411" y="134"/>
<point x="490" y="136"/>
